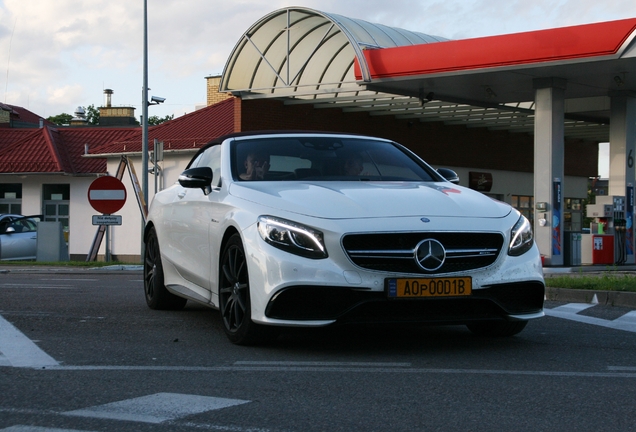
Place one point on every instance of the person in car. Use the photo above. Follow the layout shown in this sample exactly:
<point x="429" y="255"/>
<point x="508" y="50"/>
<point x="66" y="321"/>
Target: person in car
<point x="256" y="166"/>
<point x="353" y="165"/>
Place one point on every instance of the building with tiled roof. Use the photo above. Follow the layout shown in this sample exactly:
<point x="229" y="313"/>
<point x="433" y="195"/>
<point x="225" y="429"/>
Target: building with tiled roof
<point x="47" y="169"/>
<point x="12" y="116"/>
<point x="188" y="132"/>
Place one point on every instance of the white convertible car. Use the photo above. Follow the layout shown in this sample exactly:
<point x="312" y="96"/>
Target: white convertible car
<point x="315" y="229"/>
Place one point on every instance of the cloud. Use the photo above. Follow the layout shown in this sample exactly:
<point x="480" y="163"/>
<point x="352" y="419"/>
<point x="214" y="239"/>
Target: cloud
<point x="79" y="48"/>
<point x="65" y="95"/>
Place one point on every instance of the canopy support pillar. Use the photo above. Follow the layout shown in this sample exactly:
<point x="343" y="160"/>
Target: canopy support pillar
<point x="621" y="173"/>
<point x="549" y="167"/>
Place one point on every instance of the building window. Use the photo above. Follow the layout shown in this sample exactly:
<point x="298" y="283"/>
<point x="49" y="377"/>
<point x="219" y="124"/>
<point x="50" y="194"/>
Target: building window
<point x="525" y="205"/>
<point x="11" y="198"/>
<point x="56" y="203"/>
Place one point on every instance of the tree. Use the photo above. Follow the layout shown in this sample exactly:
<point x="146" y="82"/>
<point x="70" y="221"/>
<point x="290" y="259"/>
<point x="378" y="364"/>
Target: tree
<point x="92" y="115"/>
<point x="155" y="120"/>
<point x="60" y="119"/>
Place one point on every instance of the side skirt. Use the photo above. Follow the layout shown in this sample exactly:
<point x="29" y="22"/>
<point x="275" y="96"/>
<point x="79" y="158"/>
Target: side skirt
<point x="182" y="291"/>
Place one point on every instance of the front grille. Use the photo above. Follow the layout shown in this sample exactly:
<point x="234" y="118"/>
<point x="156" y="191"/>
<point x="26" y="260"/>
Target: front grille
<point x="395" y="252"/>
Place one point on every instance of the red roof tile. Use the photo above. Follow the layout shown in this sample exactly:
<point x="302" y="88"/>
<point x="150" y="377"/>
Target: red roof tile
<point x="27" y="150"/>
<point x="53" y="149"/>
<point x="192" y="130"/>
<point x="74" y="140"/>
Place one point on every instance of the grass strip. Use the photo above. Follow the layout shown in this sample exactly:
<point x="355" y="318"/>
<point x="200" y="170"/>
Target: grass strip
<point x="602" y="282"/>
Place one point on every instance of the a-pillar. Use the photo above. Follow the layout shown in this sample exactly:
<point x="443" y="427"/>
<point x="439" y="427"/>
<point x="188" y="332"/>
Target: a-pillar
<point x="549" y="98"/>
<point x="622" y="153"/>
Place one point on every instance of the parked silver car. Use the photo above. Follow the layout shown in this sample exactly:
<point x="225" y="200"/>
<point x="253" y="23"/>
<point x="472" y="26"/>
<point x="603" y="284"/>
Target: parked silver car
<point x="18" y="237"/>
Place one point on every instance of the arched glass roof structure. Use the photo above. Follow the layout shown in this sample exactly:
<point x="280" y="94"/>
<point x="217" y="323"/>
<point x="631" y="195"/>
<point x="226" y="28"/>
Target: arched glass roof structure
<point x="300" y="51"/>
<point x="304" y="56"/>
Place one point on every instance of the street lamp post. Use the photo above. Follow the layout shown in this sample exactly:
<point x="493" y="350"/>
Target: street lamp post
<point x="144" y="124"/>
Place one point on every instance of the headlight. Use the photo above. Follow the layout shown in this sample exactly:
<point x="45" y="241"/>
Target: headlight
<point x="521" y="238"/>
<point x="292" y="237"/>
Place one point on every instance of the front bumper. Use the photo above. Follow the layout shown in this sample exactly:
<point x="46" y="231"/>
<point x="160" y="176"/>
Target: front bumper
<point x="520" y="300"/>
<point x="289" y="290"/>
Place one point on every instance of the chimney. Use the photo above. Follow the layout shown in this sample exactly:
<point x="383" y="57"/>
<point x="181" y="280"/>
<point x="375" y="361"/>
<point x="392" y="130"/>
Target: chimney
<point x="107" y="94"/>
<point x="115" y="116"/>
<point x="80" y="117"/>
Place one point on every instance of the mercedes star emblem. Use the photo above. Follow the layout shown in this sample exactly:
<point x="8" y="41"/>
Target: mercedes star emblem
<point x="430" y="254"/>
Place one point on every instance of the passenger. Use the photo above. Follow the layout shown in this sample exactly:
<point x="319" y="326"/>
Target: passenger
<point x="353" y="165"/>
<point x="256" y="166"/>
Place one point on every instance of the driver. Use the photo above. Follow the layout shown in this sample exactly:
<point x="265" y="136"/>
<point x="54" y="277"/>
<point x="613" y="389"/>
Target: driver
<point x="256" y="166"/>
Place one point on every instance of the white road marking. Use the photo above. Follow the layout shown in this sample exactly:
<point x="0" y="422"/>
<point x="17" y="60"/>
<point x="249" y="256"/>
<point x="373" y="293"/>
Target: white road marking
<point x="73" y="279"/>
<point x="39" y="286"/>
<point x="312" y="363"/>
<point x="19" y="351"/>
<point x="573" y="307"/>
<point x="628" y="318"/>
<point x="570" y="312"/>
<point x="177" y="423"/>
<point x="22" y="428"/>
<point x="329" y="369"/>
<point x="156" y="408"/>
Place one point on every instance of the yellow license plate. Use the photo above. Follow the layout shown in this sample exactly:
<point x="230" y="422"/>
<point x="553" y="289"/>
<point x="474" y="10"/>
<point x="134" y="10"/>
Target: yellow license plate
<point x="429" y="287"/>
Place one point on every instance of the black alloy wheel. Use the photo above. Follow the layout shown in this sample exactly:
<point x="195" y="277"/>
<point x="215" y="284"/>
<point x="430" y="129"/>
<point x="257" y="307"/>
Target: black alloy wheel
<point x="234" y="297"/>
<point x="157" y="296"/>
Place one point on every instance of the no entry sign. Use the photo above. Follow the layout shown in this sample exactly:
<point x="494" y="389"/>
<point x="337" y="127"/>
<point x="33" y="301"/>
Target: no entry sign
<point x="107" y="194"/>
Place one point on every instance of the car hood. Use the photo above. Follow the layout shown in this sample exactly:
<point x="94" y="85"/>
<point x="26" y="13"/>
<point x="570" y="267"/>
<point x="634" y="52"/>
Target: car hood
<point x="344" y="200"/>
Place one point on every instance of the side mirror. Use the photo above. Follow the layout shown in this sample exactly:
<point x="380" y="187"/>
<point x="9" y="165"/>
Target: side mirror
<point x="197" y="178"/>
<point x="10" y="230"/>
<point x="449" y="175"/>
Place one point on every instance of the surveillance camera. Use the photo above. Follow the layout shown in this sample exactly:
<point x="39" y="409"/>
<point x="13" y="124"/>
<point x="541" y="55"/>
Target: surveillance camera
<point x="157" y="99"/>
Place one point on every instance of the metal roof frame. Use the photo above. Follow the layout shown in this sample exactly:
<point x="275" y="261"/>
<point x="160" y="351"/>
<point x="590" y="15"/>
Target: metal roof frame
<point x="304" y="56"/>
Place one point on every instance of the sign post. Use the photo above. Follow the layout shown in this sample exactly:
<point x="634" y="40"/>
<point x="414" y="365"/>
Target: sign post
<point x="107" y="195"/>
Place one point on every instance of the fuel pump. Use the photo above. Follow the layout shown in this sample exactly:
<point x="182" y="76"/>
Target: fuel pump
<point x="606" y="243"/>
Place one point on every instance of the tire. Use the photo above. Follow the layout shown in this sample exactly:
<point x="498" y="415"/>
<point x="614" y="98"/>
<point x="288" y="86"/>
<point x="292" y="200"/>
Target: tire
<point x="157" y="295"/>
<point x="234" y="298"/>
<point x="497" y="328"/>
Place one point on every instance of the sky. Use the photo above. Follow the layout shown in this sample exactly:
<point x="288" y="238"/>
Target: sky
<point x="58" y="55"/>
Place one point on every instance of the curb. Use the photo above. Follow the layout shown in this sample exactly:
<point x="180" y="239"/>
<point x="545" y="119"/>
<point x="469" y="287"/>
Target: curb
<point x="63" y="269"/>
<point x="608" y="298"/>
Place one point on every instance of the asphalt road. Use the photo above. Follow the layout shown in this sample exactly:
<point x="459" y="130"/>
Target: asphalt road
<point x="82" y="352"/>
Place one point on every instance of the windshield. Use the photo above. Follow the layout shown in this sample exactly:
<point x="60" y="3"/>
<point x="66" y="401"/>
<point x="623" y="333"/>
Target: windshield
<point x="325" y="158"/>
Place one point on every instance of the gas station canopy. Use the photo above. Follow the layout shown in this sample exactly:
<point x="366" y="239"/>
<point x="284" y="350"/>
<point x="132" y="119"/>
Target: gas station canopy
<point x="304" y="56"/>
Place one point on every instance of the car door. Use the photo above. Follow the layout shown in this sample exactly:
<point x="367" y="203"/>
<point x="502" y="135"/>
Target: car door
<point x="187" y="225"/>
<point x="18" y="239"/>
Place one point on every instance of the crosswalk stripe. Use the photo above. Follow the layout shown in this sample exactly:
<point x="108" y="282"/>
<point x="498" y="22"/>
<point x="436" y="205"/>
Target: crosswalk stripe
<point x="156" y="408"/>
<point x="570" y="312"/>
<point x="573" y="307"/>
<point x="628" y="318"/>
<point x="19" y="351"/>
